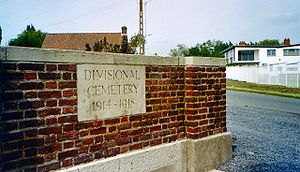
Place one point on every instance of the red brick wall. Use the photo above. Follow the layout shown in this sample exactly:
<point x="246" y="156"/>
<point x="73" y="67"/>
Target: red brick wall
<point x="40" y="130"/>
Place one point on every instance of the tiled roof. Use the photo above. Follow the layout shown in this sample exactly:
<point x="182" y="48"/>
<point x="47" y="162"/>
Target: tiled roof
<point x="77" y="41"/>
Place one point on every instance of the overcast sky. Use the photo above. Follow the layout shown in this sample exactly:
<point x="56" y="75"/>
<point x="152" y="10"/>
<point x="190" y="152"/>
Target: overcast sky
<point x="168" y="22"/>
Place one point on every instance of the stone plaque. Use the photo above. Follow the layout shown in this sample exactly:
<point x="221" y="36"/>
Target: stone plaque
<point x="107" y="91"/>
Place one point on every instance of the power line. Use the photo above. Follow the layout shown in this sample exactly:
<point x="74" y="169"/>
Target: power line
<point x="80" y="16"/>
<point x="22" y="9"/>
<point x="42" y="12"/>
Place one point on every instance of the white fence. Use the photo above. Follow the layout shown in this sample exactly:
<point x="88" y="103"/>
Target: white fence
<point x="286" y="74"/>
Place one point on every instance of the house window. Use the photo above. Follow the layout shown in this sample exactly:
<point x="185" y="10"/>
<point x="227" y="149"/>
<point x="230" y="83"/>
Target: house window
<point x="291" y="52"/>
<point x="271" y="52"/>
<point x="246" y="55"/>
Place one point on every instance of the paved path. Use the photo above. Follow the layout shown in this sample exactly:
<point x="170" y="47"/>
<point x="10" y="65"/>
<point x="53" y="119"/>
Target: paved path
<point x="266" y="132"/>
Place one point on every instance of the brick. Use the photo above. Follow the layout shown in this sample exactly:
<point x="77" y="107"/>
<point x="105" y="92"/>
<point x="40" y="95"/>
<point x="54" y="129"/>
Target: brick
<point x="67" y="67"/>
<point x="10" y="106"/>
<point x="79" y="126"/>
<point x="136" y="146"/>
<point x="83" y="159"/>
<point x="12" y="76"/>
<point x="51" y="84"/>
<point x="10" y="166"/>
<point x="155" y="128"/>
<point x="50" y="139"/>
<point x="31" y="66"/>
<point x="30" y="114"/>
<point x="67" y="76"/>
<point x="49" y="94"/>
<point x="31" y="133"/>
<point x="124" y="126"/>
<point x="49" y="111"/>
<point x="100" y="130"/>
<point x="51" y="67"/>
<point x="49" y="76"/>
<point x="66" y="154"/>
<point x="123" y="140"/>
<point x="31" y="104"/>
<point x="68" y="136"/>
<point x="112" y="121"/>
<point x="50" y="130"/>
<point x="30" y="152"/>
<point x="67" y="162"/>
<point x="69" y="118"/>
<point x="67" y="102"/>
<point x="10" y="146"/>
<point x="12" y="136"/>
<point x="67" y="110"/>
<point x="12" y="96"/>
<point x="68" y="93"/>
<point x="11" y="116"/>
<point x="49" y="167"/>
<point x="51" y="103"/>
<point x="31" y="94"/>
<point x="31" y="142"/>
<point x="31" y="85"/>
<point x="30" y="76"/>
<point x="69" y="84"/>
<point x="8" y="66"/>
<point x="31" y="123"/>
<point x="11" y="156"/>
<point x="50" y="148"/>
<point x="50" y="121"/>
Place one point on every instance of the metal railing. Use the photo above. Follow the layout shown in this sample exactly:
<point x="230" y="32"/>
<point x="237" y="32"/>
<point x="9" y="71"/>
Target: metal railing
<point x="286" y="74"/>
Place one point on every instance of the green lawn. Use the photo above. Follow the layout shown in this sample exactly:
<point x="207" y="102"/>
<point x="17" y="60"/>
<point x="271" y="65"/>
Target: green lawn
<point x="263" y="89"/>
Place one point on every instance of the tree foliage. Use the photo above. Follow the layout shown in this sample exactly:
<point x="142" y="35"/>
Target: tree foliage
<point x="210" y="48"/>
<point x="125" y="47"/>
<point x="29" y="38"/>
<point x="266" y="42"/>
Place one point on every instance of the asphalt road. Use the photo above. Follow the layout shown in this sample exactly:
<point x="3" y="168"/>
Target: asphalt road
<point x="266" y="132"/>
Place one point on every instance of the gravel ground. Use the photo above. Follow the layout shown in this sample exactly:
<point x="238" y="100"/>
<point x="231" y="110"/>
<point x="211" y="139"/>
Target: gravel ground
<point x="263" y="140"/>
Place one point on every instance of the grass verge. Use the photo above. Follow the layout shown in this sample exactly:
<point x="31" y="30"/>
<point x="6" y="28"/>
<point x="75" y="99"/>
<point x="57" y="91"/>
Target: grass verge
<point x="263" y="89"/>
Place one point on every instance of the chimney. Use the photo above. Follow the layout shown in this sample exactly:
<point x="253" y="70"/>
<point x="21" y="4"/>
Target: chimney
<point x="242" y="43"/>
<point x="287" y="42"/>
<point x="124" y="30"/>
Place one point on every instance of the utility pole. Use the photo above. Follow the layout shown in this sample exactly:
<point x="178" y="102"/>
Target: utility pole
<point x="141" y="23"/>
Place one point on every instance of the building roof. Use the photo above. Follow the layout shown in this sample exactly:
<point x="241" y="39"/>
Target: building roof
<point x="257" y="46"/>
<point x="78" y="41"/>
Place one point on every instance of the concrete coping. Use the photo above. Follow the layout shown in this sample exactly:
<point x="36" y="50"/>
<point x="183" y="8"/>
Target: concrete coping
<point x="25" y="54"/>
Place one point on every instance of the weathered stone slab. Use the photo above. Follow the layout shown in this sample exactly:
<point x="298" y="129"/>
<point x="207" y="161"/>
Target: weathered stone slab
<point x="107" y="91"/>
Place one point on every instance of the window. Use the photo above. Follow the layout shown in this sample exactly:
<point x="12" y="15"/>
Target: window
<point x="271" y="52"/>
<point x="246" y="55"/>
<point x="291" y="52"/>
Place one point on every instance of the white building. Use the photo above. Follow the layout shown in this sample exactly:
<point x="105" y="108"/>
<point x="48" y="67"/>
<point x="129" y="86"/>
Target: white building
<point x="244" y="54"/>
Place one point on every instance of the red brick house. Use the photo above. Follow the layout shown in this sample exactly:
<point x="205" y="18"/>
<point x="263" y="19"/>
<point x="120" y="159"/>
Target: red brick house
<point x="78" y="41"/>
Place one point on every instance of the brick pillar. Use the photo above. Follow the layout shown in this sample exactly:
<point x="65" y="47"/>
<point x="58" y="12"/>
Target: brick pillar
<point x="205" y="101"/>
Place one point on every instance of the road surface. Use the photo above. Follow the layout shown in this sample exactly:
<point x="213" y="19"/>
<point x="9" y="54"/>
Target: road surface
<point x="266" y="132"/>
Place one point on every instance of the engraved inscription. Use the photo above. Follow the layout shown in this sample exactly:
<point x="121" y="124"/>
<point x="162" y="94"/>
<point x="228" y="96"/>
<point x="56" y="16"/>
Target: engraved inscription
<point x="106" y="91"/>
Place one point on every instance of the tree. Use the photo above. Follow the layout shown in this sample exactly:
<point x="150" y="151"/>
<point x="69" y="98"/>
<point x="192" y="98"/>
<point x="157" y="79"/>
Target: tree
<point x="266" y="42"/>
<point x="29" y="38"/>
<point x="180" y="50"/>
<point x="136" y="41"/>
<point x="125" y="47"/>
<point x="210" y="48"/>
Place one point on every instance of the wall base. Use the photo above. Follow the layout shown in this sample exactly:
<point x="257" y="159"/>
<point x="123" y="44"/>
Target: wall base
<point x="187" y="155"/>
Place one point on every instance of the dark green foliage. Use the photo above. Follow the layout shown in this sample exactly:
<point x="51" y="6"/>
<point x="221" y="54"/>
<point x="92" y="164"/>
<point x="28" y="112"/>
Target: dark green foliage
<point x="266" y="42"/>
<point x="87" y="47"/>
<point x="210" y="48"/>
<point x="125" y="47"/>
<point x="29" y="38"/>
